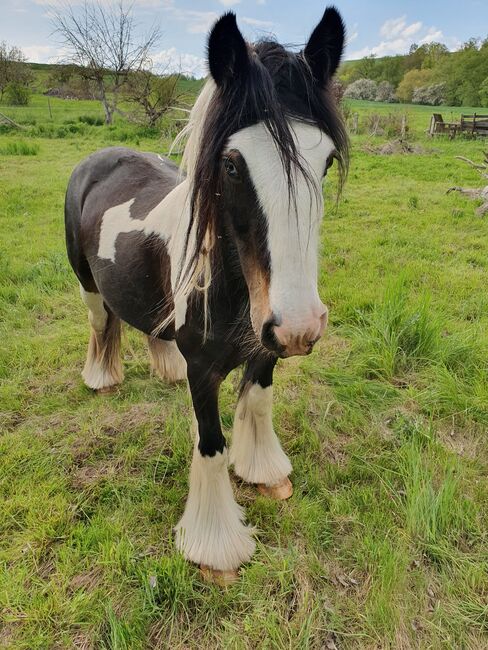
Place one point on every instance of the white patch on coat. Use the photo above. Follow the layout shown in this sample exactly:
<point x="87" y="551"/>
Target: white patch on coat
<point x="292" y="235"/>
<point x="211" y="531"/>
<point x="168" y="220"/>
<point x="97" y="314"/>
<point x="256" y="452"/>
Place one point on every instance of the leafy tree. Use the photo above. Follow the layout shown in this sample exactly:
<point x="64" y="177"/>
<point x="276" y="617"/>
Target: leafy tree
<point x="361" y="89"/>
<point x="433" y="54"/>
<point x="391" y="69"/>
<point x="412" y="79"/>
<point x="366" y="67"/>
<point x="484" y="93"/>
<point x="13" y="68"/>
<point x="17" y="94"/>
<point x="385" y="92"/>
<point x="463" y="73"/>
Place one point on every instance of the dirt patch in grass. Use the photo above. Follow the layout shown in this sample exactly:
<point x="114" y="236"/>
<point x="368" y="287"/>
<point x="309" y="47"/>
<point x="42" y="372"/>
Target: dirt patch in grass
<point x="87" y="580"/>
<point x="462" y="442"/>
<point x="398" y="147"/>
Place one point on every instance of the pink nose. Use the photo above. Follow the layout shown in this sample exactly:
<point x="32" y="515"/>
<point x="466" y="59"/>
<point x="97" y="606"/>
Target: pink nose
<point x="289" y="339"/>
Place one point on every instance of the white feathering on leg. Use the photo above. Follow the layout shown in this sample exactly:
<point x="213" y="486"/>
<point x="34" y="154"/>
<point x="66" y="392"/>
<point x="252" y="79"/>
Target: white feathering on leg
<point x="166" y="360"/>
<point x="256" y="452"/>
<point x="211" y="531"/>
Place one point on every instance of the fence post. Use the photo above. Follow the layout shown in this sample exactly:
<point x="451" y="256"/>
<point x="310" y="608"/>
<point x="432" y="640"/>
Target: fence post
<point x="404" y="126"/>
<point x="49" y="106"/>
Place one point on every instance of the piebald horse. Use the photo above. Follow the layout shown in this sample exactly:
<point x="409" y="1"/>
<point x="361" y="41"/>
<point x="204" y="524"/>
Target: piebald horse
<point x="216" y="262"/>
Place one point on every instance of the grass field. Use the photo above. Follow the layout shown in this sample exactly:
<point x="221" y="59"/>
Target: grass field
<point x="384" y="543"/>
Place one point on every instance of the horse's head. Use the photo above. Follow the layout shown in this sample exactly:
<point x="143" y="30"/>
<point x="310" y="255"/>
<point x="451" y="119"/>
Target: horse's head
<point x="271" y="131"/>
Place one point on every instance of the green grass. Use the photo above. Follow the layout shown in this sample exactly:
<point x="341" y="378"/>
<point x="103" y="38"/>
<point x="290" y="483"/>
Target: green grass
<point x="384" y="543"/>
<point x="19" y="148"/>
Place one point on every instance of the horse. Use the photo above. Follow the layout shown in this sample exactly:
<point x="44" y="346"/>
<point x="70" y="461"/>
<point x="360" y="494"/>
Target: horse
<point x="217" y="261"/>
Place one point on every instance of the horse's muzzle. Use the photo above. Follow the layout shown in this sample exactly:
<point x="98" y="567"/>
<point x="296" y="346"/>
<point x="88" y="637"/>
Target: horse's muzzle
<point x="286" y="339"/>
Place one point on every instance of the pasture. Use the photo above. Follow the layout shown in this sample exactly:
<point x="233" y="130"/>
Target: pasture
<point x="384" y="542"/>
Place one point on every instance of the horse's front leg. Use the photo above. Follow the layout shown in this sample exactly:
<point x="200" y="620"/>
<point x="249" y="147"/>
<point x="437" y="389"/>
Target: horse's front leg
<point x="256" y="452"/>
<point x="211" y="532"/>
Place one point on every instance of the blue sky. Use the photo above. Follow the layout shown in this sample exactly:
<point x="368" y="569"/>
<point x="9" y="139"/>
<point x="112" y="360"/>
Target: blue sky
<point x="383" y="27"/>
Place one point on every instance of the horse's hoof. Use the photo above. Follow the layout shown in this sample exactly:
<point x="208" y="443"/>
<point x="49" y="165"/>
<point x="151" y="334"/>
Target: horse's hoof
<point x="217" y="577"/>
<point x="106" y="390"/>
<point x="281" y="491"/>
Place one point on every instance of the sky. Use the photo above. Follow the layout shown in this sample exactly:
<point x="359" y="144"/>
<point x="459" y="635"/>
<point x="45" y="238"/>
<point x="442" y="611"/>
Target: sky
<point x="382" y="27"/>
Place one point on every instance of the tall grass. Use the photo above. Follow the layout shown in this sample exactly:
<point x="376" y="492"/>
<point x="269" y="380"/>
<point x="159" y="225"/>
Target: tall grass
<point x="19" y="148"/>
<point x="396" y="337"/>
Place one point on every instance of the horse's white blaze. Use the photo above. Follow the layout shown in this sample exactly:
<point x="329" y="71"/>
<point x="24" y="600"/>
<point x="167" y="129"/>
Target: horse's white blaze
<point x="256" y="452"/>
<point x="292" y="234"/>
<point x="211" y="531"/>
<point x="168" y="220"/>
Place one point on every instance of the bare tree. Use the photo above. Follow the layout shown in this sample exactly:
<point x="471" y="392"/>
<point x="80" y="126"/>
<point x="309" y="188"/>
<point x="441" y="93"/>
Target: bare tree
<point x="13" y="67"/>
<point x="102" y="40"/>
<point x="153" y="94"/>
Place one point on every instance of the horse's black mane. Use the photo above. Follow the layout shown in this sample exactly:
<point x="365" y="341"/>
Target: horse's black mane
<point x="276" y="85"/>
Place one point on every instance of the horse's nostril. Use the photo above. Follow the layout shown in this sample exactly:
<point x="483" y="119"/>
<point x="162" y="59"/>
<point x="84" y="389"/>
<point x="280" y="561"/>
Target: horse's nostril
<point x="268" y="336"/>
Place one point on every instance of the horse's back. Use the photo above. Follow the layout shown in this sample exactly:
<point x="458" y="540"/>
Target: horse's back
<point x="126" y="185"/>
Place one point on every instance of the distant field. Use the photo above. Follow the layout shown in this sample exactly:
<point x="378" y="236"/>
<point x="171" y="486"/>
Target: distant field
<point x="384" y="543"/>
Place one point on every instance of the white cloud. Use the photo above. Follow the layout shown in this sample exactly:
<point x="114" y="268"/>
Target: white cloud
<point x="41" y="53"/>
<point x="229" y="3"/>
<point x="172" y="61"/>
<point x="398" y="35"/>
<point x="254" y="22"/>
<point x="152" y="4"/>
<point x="432" y="35"/>
<point x="392" y="27"/>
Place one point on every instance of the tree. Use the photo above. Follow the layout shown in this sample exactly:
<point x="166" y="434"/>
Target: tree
<point x="385" y="92"/>
<point x="153" y="94"/>
<point x="102" y="41"/>
<point x="434" y="53"/>
<point x="411" y="80"/>
<point x="432" y="95"/>
<point x="484" y="92"/>
<point x="13" y="68"/>
<point x="361" y="89"/>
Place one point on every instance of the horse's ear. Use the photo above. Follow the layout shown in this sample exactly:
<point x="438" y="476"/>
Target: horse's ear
<point x="324" y="48"/>
<point x="228" y="58"/>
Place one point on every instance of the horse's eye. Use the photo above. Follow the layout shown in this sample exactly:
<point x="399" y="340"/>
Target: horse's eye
<point x="230" y="168"/>
<point x="329" y="163"/>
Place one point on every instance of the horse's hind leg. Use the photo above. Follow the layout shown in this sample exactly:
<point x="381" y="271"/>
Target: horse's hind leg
<point x="256" y="452"/>
<point x="166" y="360"/>
<point x="103" y="367"/>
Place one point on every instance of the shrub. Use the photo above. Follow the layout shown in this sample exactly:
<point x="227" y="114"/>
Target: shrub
<point x="361" y="89"/>
<point x="385" y="92"/>
<point x="91" y="120"/>
<point x="432" y="95"/>
<point x="17" y="94"/>
<point x="412" y="79"/>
